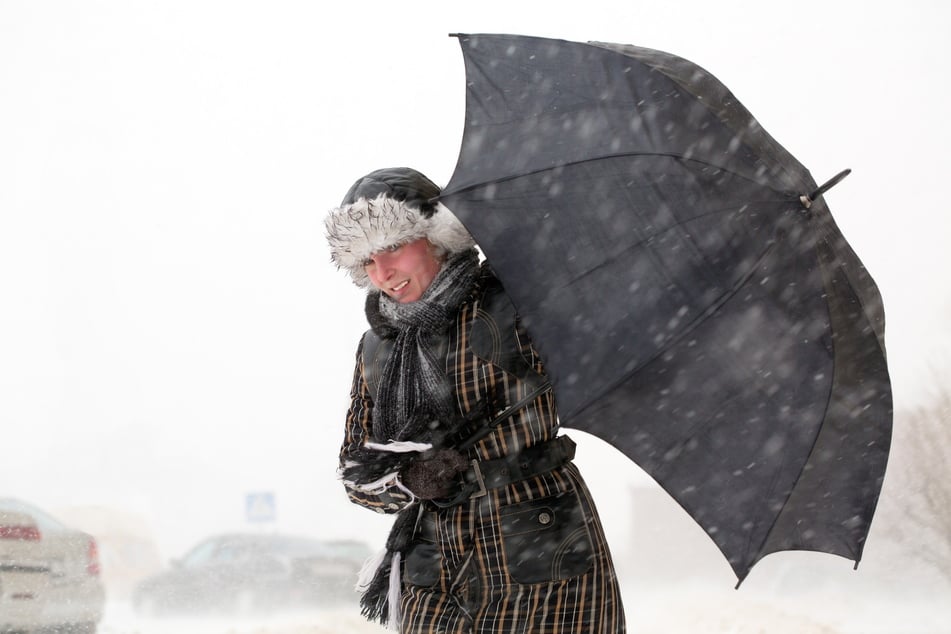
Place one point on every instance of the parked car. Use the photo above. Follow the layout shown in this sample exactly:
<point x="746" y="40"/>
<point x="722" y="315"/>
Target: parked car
<point x="240" y="574"/>
<point x="49" y="573"/>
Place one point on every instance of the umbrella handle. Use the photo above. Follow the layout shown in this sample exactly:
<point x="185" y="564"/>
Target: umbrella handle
<point x="807" y="200"/>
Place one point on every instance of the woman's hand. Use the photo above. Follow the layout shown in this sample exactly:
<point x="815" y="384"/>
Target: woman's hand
<point x="435" y="476"/>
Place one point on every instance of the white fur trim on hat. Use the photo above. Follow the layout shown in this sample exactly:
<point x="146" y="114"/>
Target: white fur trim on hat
<point x="358" y="230"/>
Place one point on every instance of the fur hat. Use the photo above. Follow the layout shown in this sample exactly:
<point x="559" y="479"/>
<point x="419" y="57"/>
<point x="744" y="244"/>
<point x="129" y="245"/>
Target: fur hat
<point x="387" y="208"/>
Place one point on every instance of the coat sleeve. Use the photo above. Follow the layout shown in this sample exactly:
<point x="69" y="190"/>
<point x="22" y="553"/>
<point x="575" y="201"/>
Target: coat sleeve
<point x="387" y="496"/>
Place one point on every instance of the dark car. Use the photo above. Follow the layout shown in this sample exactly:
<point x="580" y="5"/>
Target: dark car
<point x="239" y="574"/>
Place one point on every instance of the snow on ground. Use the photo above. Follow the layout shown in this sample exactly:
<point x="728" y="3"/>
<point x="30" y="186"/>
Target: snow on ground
<point x="702" y="611"/>
<point x="694" y="608"/>
<point x="119" y="619"/>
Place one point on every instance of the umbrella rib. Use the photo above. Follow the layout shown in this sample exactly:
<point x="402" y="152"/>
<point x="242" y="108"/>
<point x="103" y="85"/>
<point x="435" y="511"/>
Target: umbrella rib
<point x="792" y="487"/>
<point x="749" y="563"/>
<point x="799" y="475"/>
<point x="660" y="232"/>
<point x="696" y="321"/>
<point x="677" y="157"/>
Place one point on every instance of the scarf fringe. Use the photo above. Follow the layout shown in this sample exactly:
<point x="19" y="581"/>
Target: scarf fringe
<point x="376" y="486"/>
<point x="373" y="603"/>
<point x="364" y="474"/>
<point x="393" y="596"/>
<point x="397" y="446"/>
<point x="370" y="470"/>
<point x="381" y="577"/>
<point x="368" y="571"/>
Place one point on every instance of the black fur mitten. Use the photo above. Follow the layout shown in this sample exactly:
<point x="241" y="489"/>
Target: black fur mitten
<point x="434" y="477"/>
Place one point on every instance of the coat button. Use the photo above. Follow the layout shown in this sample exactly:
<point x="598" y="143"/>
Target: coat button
<point x="544" y="518"/>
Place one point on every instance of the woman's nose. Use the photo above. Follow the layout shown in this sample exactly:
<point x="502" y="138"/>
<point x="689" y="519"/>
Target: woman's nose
<point x="384" y="265"/>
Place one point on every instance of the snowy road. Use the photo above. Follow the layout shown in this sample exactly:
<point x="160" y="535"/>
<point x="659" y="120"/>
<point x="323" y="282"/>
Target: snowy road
<point x="120" y="620"/>
<point x="662" y="612"/>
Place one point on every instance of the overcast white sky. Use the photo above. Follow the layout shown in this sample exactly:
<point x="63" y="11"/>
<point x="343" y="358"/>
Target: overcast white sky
<point x="172" y="335"/>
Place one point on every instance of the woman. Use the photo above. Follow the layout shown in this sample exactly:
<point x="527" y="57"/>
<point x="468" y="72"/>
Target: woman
<point x="453" y="428"/>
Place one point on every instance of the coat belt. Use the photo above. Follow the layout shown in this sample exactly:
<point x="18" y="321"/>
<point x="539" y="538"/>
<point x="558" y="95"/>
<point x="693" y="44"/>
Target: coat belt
<point x="484" y="475"/>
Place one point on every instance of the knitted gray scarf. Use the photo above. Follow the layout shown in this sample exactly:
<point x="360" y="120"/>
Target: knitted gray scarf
<point x="414" y="395"/>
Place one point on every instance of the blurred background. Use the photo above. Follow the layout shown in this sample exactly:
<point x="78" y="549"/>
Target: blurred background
<point x="176" y="350"/>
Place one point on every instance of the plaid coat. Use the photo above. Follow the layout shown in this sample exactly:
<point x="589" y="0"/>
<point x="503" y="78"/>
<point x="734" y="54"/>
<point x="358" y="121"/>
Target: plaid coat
<point x="498" y="563"/>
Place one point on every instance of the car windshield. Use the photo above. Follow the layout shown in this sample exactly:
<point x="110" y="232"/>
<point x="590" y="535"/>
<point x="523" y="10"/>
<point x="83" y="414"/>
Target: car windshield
<point x="201" y="554"/>
<point x="236" y="548"/>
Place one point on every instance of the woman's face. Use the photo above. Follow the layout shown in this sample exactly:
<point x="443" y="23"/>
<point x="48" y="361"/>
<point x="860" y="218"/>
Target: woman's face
<point x="404" y="272"/>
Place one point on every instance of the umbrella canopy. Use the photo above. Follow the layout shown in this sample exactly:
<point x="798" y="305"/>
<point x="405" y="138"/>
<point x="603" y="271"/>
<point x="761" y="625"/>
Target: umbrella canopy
<point x="693" y="300"/>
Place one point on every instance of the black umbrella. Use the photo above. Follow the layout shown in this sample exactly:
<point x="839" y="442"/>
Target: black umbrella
<point x="694" y="302"/>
